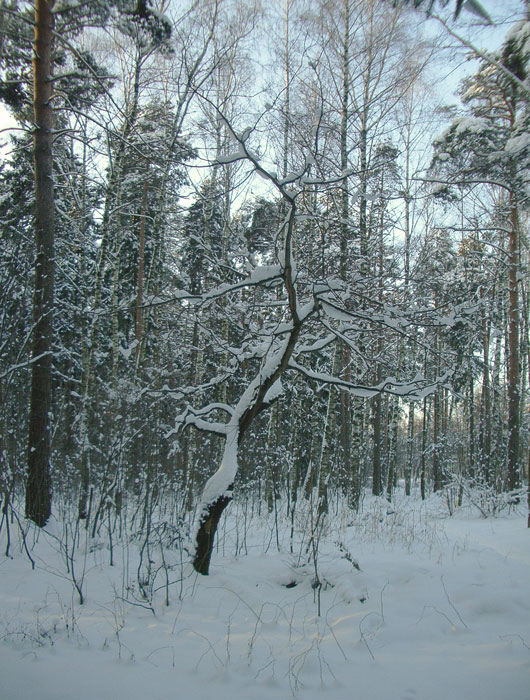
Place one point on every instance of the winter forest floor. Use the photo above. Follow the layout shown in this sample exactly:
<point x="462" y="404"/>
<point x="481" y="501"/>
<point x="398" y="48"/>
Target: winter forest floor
<point x="414" y="604"/>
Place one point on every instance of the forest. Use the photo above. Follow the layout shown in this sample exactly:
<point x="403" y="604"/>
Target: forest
<point x="263" y="278"/>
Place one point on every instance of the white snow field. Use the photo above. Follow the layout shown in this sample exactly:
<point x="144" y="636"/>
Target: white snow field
<point x="414" y="604"/>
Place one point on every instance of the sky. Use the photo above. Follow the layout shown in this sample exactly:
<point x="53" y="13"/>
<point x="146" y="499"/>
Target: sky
<point x="456" y="67"/>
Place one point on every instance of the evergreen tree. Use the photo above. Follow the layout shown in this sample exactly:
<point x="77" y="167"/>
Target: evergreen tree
<point x="490" y="145"/>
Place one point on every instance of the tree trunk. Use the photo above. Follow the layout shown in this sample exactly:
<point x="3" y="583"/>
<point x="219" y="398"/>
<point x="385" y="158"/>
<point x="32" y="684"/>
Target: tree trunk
<point x="410" y="450"/>
<point x="38" y="488"/>
<point x="393" y="429"/>
<point x="328" y="439"/>
<point x="437" y="424"/>
<point x="345" y="407"/>
<point x="471" y="425"/>
<point x="139" y="325"/>
<point x="377" y="475"/>
<point x="514" y="427"/>
<point x="423" y="462"/>
<point x="217" y="493"/>
<point x="272" y="492"/>
<point x="485" y="426"/>
<point x="206" y="534"/>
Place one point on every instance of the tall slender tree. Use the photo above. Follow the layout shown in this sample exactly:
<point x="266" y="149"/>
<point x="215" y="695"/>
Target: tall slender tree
<point x="38" y="491"/>
<point x="490" y="146"/>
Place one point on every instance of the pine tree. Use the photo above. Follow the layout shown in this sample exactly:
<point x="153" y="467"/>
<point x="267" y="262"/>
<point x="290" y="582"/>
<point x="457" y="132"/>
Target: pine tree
<point x="491" y="146"/>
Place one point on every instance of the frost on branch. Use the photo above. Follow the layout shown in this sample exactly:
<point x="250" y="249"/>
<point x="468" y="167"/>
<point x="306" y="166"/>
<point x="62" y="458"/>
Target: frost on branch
<point x="279" y="318"/>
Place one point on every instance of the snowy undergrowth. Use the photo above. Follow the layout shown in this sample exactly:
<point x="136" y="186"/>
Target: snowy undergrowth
<point x="397" y="601"/>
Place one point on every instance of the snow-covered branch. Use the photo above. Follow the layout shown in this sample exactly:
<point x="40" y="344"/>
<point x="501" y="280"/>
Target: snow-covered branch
<point x="416" y="389"/>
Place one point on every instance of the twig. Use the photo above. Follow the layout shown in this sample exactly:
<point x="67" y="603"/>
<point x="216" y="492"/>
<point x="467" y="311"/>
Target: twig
<point x="517" y="636"/>
<point x="138" y="605"/>
<point x="23" y="537"/>
<point x="451" y="603"/>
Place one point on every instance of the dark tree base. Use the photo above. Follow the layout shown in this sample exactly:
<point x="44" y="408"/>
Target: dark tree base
<point x="206" y="534"/>
<point x="38" y="498"/>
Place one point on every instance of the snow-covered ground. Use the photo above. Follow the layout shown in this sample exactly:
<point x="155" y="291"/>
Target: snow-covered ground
<point x="414" y="605"/>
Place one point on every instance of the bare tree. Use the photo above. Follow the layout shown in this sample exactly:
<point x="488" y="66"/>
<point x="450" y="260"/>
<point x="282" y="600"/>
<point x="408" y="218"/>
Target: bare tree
<point x="283" y="317"/>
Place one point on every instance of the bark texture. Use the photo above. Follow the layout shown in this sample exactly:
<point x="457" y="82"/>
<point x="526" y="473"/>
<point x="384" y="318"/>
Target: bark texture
<point x="38" y="487"/>
<point x="206" y="534"/>
<point x="514" y="371"/>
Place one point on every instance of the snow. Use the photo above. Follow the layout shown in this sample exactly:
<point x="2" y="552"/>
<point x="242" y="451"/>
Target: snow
<point x="231" y="157"/>
<point x="127" y="351"/>
<point x="291" y="177"/>
<point x="439" y="187"/>
<point x="265" y="174"/>
<point x="471" y="125"/>
<point x="517" y="143"/>
<point x="319" y="344"/>
<point x="519" y="34"/>
<point x="414" y="605"/>
<point x="397" y="323"/>
<point x="333" y="312"/>
<point x="274" y="392"/>
<point x="263" y="273"/>
<point x="475" y="8"/>
<point x="221" y="482"/>
<point x="303" y="311"/>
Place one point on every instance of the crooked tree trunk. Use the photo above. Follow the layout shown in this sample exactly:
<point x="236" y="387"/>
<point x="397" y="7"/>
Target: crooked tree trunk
<point x="206" y="532"/>
<point x="217" y="493"/>
<point x="38" y="488"/>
